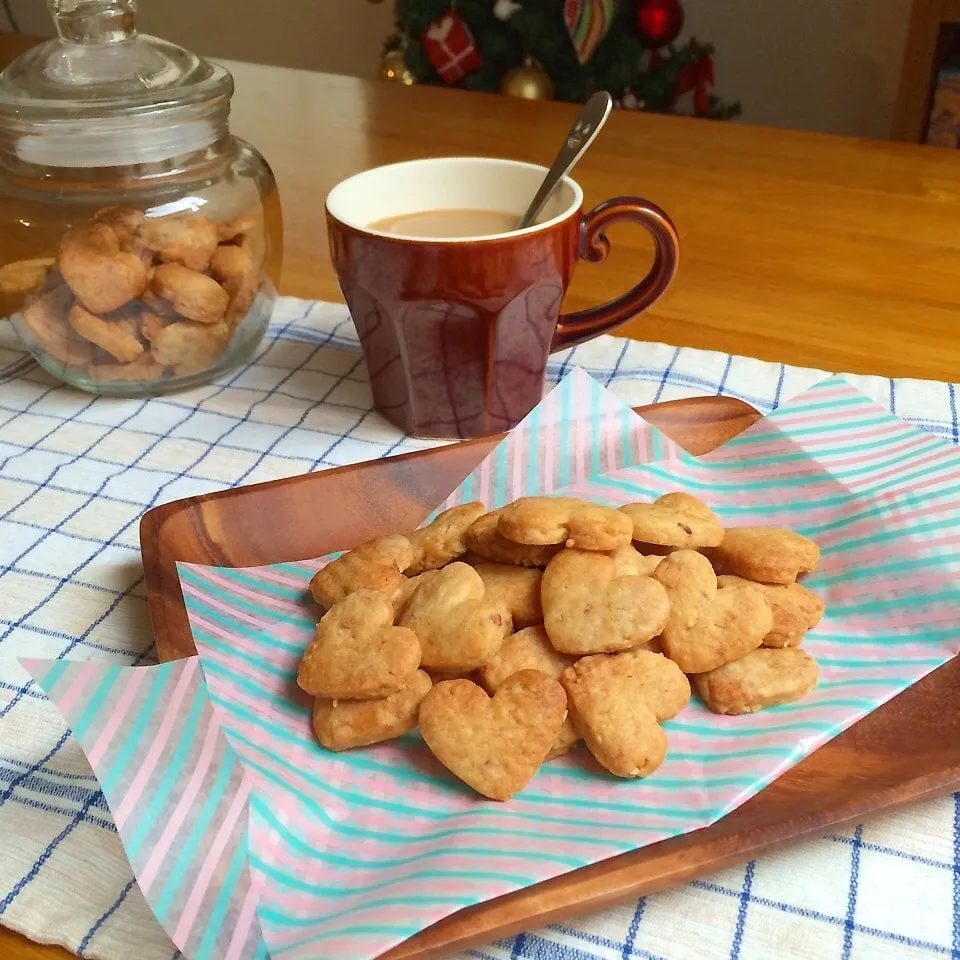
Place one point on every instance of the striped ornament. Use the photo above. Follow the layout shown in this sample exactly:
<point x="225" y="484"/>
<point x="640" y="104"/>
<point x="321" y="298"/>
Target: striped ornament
<point x="587" y="23"/>
<point x="352" y="853"/>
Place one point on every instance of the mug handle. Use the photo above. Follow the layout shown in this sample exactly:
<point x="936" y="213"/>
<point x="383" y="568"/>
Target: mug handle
<point x="574" y="328"/>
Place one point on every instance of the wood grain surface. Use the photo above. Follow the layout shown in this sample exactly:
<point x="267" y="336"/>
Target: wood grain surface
<point x="907" y="750"/>
<point x="801" y="248"/>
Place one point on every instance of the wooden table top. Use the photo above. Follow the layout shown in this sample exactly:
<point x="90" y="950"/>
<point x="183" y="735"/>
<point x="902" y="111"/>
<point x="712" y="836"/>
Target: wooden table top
<point x="808" y="249"/>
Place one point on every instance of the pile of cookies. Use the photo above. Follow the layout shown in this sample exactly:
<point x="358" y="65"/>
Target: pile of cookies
<point x="135" y="298"/>
<point x="510" y="635"/>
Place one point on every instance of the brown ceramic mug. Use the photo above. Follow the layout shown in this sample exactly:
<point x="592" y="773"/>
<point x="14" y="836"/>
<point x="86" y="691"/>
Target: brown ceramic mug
<point x="456" y="332"/>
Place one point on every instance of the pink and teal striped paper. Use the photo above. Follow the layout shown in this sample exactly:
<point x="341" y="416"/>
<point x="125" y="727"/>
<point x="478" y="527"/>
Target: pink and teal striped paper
<point x="346" y="855"/>
<point x="176" y="790"/>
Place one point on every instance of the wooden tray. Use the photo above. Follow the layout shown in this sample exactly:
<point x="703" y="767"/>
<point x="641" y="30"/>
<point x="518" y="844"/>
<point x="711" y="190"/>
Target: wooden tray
<point x="907" y="750"/>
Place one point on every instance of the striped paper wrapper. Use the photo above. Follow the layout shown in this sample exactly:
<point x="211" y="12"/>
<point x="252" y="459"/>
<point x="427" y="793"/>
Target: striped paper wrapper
<point x="348" y="854"/>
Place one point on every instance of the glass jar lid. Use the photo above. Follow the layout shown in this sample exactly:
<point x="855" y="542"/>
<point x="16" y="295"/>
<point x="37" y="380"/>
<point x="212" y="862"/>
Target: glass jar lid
<point x="96" y="80"/>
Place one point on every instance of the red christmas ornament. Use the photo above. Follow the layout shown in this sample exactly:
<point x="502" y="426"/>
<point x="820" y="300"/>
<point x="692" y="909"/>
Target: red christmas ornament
<point x="658" y="22"/>
<point x="449" y="46"/>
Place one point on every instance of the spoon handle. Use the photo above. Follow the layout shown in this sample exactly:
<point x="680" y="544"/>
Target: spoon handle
<point x="585" y="128"/>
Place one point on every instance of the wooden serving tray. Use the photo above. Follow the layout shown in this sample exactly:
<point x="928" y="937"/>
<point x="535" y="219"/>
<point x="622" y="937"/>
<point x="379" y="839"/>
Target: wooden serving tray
<point x="907" y="750"/>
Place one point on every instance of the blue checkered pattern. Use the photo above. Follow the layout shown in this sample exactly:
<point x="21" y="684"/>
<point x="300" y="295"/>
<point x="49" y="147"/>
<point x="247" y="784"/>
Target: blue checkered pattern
<point x="77" y="472"/>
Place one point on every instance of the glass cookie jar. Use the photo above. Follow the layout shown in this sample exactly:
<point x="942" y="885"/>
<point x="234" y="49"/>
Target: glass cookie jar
<point x="140" y="242"/>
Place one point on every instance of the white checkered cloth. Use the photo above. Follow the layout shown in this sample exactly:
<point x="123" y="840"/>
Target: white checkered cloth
<point x="77" y="472"/>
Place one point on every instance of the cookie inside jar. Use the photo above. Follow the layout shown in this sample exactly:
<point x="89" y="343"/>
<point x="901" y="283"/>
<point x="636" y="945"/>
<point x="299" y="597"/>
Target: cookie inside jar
<point x="136" y="299"/>
<point x="140" y="241"/>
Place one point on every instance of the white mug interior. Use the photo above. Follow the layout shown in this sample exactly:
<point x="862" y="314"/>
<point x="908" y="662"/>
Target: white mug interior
<point x="448" y="183"/>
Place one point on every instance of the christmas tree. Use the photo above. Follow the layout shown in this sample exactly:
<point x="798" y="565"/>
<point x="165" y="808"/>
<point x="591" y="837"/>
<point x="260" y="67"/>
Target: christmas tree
<point x="561" y="49"/>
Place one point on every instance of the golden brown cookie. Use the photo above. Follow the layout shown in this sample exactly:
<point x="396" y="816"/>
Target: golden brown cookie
<point x="638" y="674"/>
<point x="45" y="317"/>
<point x="357" y="653"/>
<point x="515" y="588"/>
<point x="231" y="263"/>
<point x="442" y="540"/>
<point x="528" y="649"/>
<point x="229" y="230"/>
<point x="102" y="276"/>
<point x="795" y="611"/>
<point x="156" y="304"/>
<point x="143" y="368"/>
<point x="370" y="566"/>
<point x="458" y="627"/>
<point x="763" y="678"/>
<point x="189" y="347"/>
<point x="674" y="520"/>
<point x="193" y="295"/>
<point x="764" y="554"/>
<point x="628" y="561"/>
<point x="567" y="739"/>
<point x="566" y="521"/>
<point x="618" y="701"/>
<point x="531" y="649"/>
<point x="188" y="239"/>
<point x="343" y="724"/>
<point x="238" y="266"/>
<point x="124" y="221"/>
<point x="588" y="608"/>
<point x="405" y="591"/>
<point x="483" y="537"/>
<point x="24" y="276"/>
<point x="118" y="337"/>
<point x="494" y="745"/>
<point x="707" y="626"/>
<point x="151" y="325"/>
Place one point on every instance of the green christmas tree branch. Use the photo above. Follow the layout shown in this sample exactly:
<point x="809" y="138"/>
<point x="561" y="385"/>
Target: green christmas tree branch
<point x="537" y="29"/>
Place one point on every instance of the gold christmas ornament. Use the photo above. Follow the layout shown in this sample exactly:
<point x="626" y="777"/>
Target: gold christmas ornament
<point x="394" y="67"/>
<point x="529" y="81"/>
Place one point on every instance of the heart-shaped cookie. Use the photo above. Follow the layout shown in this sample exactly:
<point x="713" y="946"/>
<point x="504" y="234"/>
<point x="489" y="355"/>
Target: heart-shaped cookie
<point x="765" y="554"/>
<point x="118" y="336"/>
<point x="494" y="745"/>
<point x="763" y="678"/>
<point x="674" y="520"/>
<point x="618" y="701"/>
<point x="344" y="724"/>
<point x="483" y="537"/>
<point x="458" y="627"/>
<point x="589" y="608"/>
<point x="188" y="239"/>
<point x="371" y="566"/>
<point x="795" y="611"/>
<point x="404" y="593"/>
<point x="357" y="652"/>
<point x="709" y="626"/>
<point x="567" y="739"/>
<point x="193" y="295"/>
<point x="528" y="649"/>
<point x="567" y="521"/>
<point x="442" y="540"/>
<point x="628" y="561"/>
<point x="102" y="276"/>
<point x="516" y="589"/>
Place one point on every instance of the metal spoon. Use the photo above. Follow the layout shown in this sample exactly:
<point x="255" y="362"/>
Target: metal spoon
<point x="583" y="132"/>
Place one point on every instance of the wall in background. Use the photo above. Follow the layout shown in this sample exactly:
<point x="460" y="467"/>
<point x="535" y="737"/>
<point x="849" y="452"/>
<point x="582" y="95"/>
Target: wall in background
<point x="336" y="36"/>
<point x="828" y="65"/>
